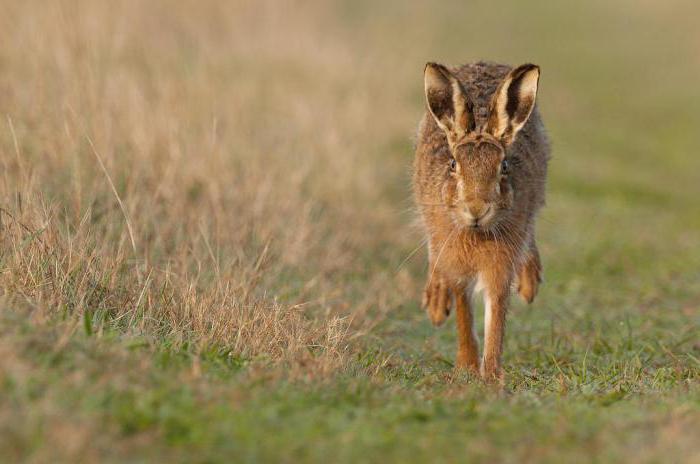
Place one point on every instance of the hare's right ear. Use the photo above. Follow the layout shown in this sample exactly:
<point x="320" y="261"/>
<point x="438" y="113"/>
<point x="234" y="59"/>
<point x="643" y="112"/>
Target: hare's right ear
<point x="448" y="102"/>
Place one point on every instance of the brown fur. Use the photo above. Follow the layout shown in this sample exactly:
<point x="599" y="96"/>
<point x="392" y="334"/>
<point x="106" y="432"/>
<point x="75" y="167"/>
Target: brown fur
<point x="500" y="250"/>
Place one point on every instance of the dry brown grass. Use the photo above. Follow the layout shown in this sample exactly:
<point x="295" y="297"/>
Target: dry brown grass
<point x="166" y="168"/>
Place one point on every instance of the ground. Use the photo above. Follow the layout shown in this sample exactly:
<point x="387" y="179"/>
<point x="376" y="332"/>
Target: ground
<point x="208" y="251"/>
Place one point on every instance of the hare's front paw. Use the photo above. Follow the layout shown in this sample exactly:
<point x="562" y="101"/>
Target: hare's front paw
<point x="437" y="300"/>
<point x="529" y="279"/>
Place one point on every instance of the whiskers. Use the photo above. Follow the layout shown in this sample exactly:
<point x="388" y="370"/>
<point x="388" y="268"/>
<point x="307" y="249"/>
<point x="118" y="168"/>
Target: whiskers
<point x="436" y="205"/>
<point x="412" y="209"/>
<point x="412" y="254"/>
<point x="437" y="260"/>
<point x="508" y="234"/>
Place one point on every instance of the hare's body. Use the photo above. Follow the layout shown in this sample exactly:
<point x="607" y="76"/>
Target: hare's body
<point x="479" y="180"/>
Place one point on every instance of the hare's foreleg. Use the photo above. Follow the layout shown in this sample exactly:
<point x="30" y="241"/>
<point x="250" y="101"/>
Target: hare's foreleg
<point x="530" y="274"/>
<point x="496" y="295"/>
<point x="467" y="348"/>
<point x="437" y="298"/>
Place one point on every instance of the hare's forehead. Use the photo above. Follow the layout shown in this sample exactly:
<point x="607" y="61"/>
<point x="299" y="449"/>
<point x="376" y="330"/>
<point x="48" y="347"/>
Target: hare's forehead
<point x="479" y="155"/>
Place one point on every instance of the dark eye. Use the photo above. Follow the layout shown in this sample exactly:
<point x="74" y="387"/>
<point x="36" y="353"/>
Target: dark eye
<point x="504" y="167"/>
<point x="453" y="164"/>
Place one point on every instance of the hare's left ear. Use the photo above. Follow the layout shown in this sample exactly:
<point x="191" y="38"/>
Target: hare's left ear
<point x="513" y="102"/>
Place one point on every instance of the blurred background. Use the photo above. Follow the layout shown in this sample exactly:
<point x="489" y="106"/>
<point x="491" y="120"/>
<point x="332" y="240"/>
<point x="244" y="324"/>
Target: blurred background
<point x="230" y="182"/>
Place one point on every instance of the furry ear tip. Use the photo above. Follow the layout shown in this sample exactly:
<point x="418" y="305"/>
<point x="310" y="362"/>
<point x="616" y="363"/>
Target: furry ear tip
<point x="432" y="66"/>
<point x="528" y="67"/>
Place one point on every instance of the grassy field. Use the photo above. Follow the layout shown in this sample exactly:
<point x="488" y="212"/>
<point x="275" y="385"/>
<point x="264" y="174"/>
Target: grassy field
<point x="207" y="237"/>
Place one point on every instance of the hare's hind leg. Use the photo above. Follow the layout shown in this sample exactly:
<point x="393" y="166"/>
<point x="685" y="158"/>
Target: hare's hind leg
<point x="467" y="348"/>
<point x="530" y="274"/>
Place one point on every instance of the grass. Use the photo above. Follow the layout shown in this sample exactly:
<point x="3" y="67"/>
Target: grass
<point x="206" y="224"/>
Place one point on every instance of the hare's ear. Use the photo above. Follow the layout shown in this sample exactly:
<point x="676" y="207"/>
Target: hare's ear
<point x="448" y="102"/>
<point x="513" y="102"/>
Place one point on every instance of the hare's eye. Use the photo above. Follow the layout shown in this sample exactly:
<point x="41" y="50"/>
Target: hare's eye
<point x="453" y="164"/>
<point x="504" y="167"/>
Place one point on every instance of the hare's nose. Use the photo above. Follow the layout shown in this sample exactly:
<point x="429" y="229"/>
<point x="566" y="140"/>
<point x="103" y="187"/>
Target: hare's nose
<point x="479" y="211"/>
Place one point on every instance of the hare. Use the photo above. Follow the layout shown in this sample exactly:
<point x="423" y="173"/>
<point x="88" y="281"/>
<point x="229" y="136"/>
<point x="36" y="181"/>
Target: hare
<point x="479" y="180"/>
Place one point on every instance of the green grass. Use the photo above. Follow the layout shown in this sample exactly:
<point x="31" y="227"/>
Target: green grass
<point x="577" y="389"/>
<point x="268" y="312"/>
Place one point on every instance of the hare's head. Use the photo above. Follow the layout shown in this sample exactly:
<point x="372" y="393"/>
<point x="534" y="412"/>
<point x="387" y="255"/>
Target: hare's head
<point x="476" y="184"/>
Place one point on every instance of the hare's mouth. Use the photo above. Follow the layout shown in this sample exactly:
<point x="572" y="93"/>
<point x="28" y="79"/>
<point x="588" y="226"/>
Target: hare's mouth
<point x="481" y="221"/>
